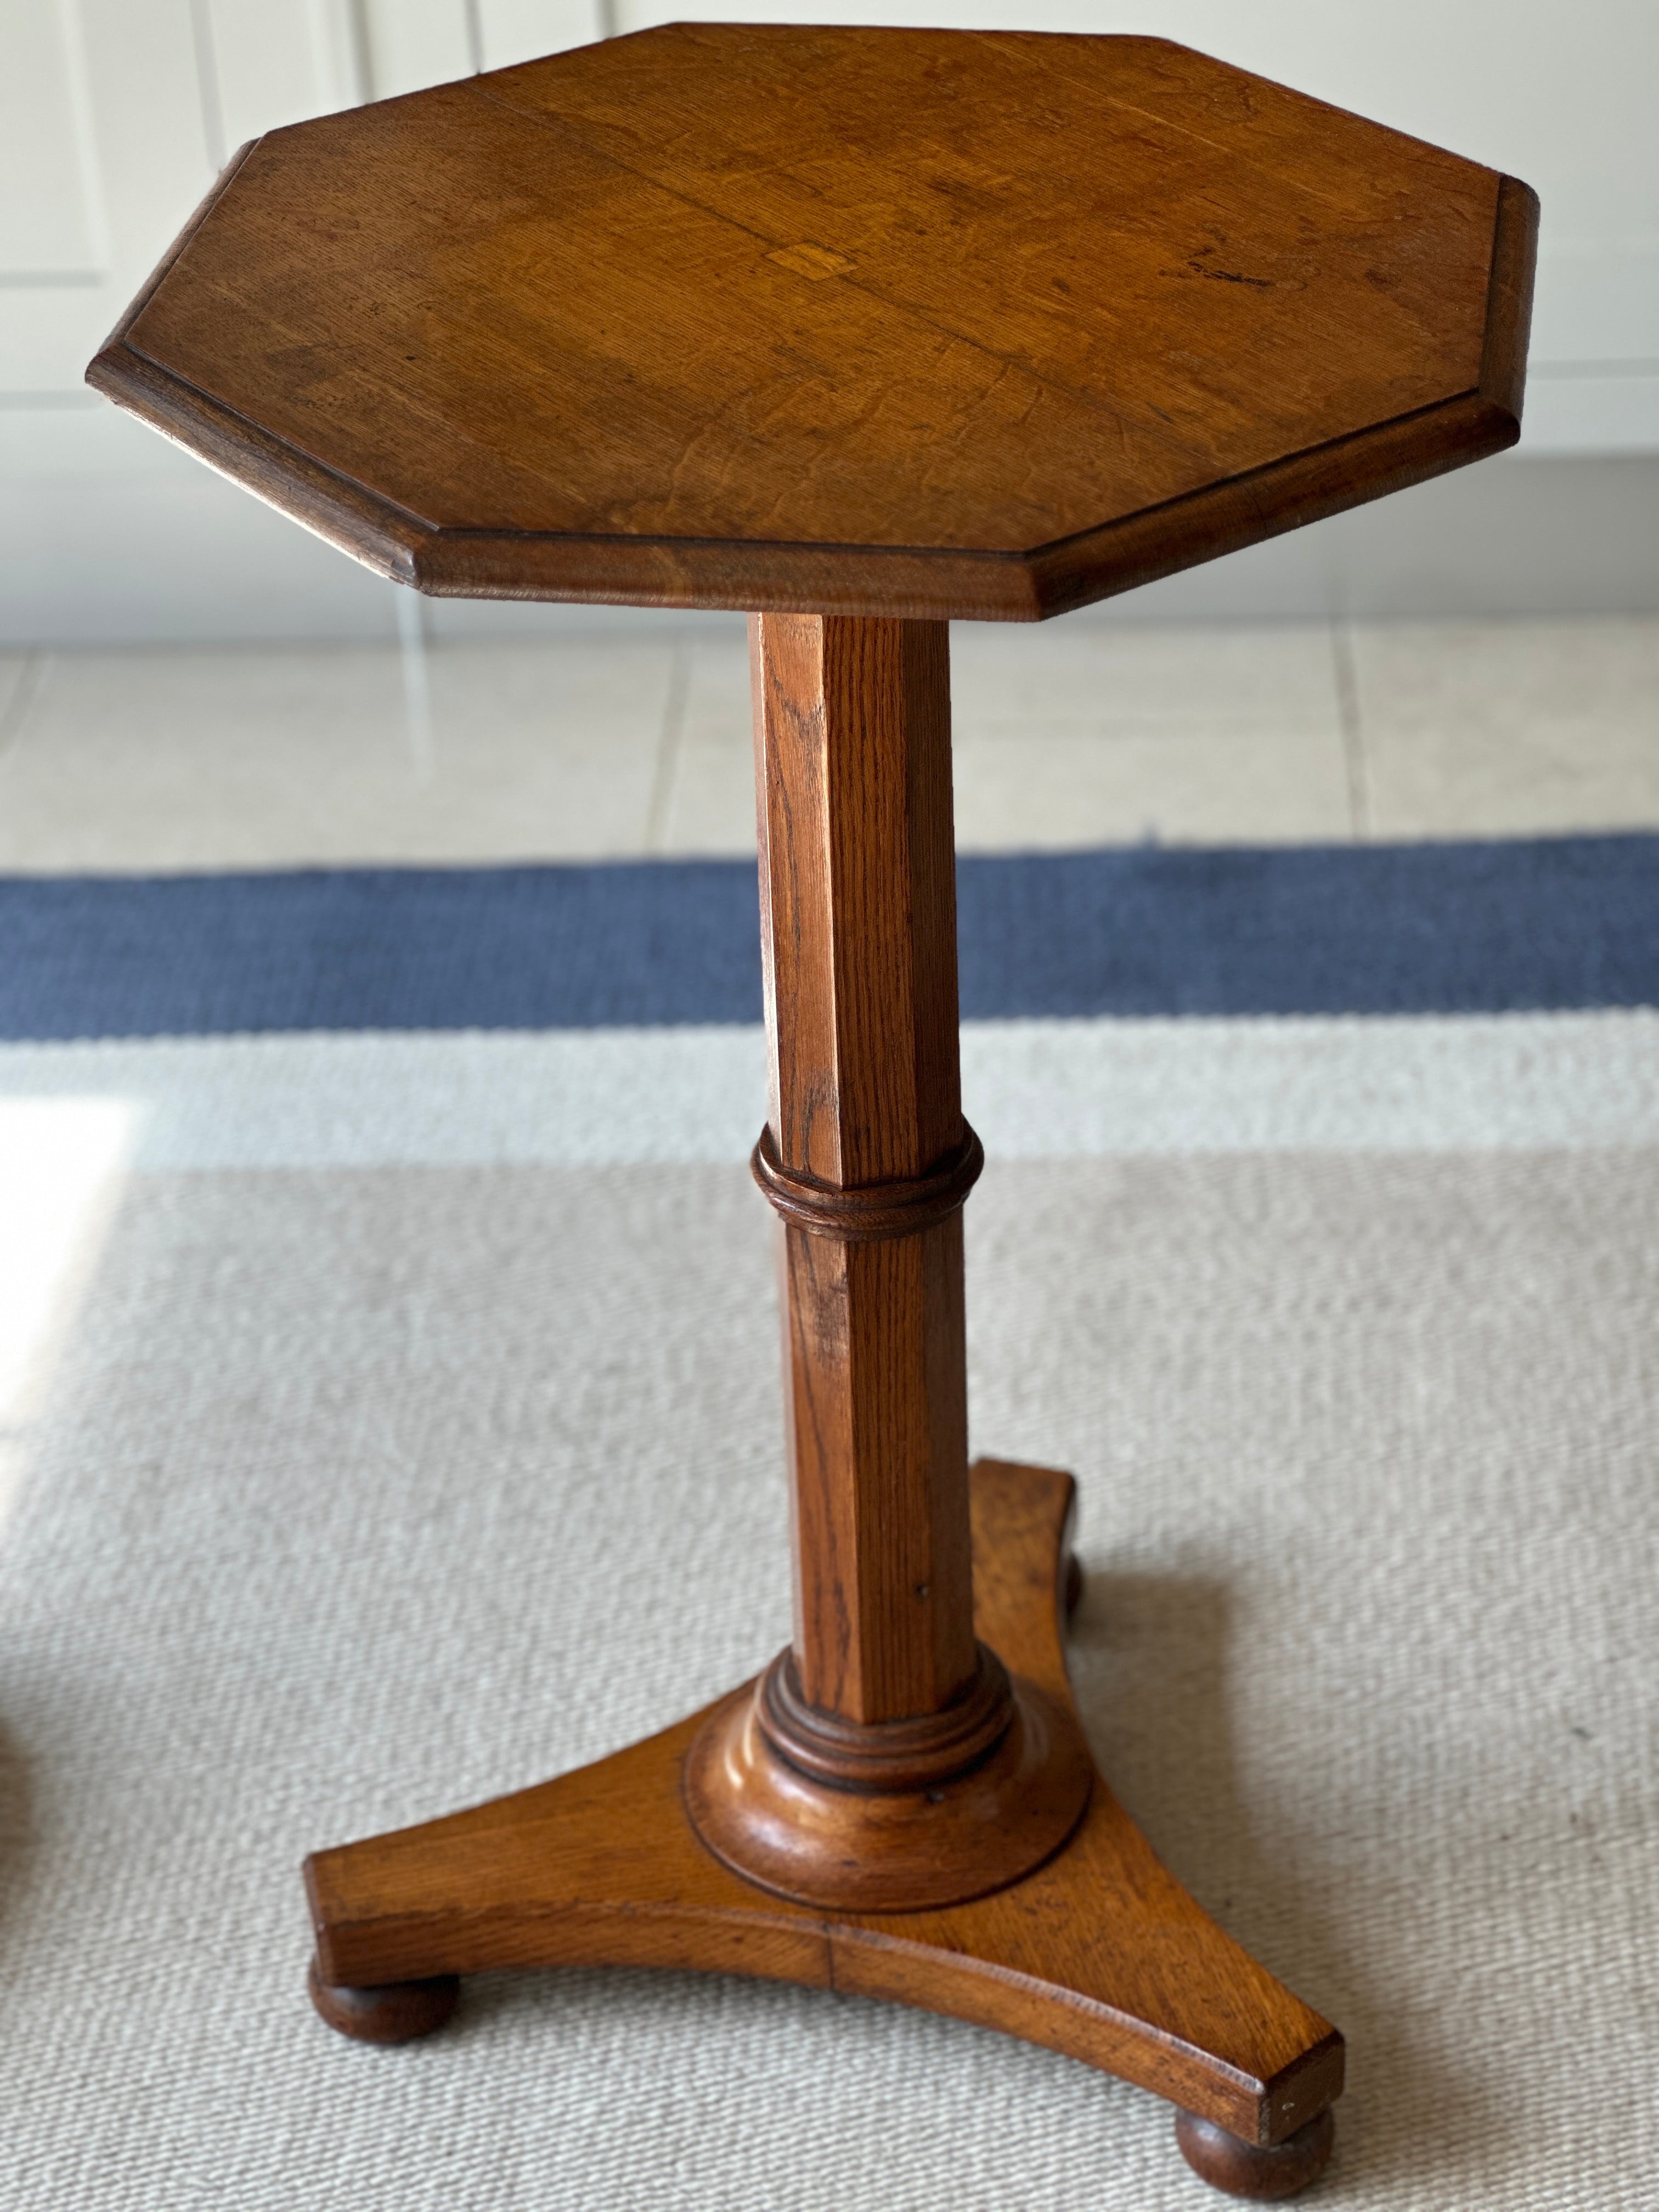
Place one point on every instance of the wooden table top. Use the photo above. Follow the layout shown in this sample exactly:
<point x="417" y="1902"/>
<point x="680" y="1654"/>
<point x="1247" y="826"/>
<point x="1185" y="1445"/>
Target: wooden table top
<point x="934" y="322"/>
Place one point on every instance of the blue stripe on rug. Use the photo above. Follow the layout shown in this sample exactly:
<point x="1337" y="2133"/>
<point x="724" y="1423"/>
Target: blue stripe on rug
<point x="1427" y="928"/>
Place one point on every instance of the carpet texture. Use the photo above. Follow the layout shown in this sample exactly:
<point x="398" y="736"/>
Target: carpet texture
<point x="1032" y="1088"/>
<point x="389" y="1418"/>
<point x="1531" y="923"/>
<point x="360" y="1491"/>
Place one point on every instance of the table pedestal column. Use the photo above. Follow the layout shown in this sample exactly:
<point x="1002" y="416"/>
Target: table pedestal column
<point x="903" y="1804"/>
<point x="887" y="1760"/>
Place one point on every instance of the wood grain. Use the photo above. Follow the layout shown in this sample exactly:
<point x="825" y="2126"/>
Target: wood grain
<point x="867" y="331"/>
<point x="907" y="1840"/>
<point x="886" y="1761"/>
<point x="1100" y="1954"/>
<point x="1260" y="2175"/>
<point x="937" y="323"/>
<point x="857" y="930"/>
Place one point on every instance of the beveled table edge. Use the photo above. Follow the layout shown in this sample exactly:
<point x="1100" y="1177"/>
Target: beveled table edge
<point x="919" y="582"/>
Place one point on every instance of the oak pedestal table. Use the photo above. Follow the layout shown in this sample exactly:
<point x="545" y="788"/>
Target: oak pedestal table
<point x="865" y="331"/>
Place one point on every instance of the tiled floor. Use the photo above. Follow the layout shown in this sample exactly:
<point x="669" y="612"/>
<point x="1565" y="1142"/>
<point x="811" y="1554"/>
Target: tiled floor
<point x="1074" y="733"/>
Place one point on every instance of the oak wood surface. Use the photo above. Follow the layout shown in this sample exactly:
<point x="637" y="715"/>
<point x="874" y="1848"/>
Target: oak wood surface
<point x="866" y="330"/>
<point x="885" y="1761"/>
<point x="857" y="939"/>
<point x="390" y="2012"/>
<point x="1099" y="1953"/>
<point x="1260" y="2174"/>
<point x="871" y="321"/>
<point x="904" y="1843"/>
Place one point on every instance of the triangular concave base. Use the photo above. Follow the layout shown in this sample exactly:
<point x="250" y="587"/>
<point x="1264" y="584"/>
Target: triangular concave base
<point x="1099" y="1953"/>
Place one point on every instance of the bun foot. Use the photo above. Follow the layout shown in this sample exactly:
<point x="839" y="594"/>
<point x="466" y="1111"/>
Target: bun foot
<point x="396" y="2011"/>
<point x="1237" y="2168"/>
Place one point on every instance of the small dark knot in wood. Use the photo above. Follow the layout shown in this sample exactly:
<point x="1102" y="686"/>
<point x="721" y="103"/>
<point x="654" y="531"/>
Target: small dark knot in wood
<point x="878" y="1210"/>
<point x="920" y="1754"/>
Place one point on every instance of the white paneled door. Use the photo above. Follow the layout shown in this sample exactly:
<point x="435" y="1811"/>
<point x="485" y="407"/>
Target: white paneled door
<point x="115" y="115"/>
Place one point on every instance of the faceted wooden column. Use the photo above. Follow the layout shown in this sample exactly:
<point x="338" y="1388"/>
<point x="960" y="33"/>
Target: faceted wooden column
<point x="858" y="935"/>
<point x="886" y="1760"/>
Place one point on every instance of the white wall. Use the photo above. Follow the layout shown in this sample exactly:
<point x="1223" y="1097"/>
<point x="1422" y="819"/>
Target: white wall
<point x="115" y="114"/>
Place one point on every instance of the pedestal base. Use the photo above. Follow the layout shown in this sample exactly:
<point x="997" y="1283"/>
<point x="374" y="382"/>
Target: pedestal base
<point x="1098" y="1952"/>
<point x="889" y="1850"/>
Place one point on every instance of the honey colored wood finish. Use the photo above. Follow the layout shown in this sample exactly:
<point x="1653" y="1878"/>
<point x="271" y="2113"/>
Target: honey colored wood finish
<point x="1099" y="1953"/>
<point x="884" y="322"/>
<point x="866" y="330"/>
<point x="393" y="2011"/>
<point x="1263" y="2176"/>
<point x="886" y="1761"/>
<point x="859" y="962"/>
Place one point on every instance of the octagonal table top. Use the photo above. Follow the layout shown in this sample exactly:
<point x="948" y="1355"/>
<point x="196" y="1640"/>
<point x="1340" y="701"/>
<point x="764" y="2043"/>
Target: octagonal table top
<point x="936" y="323"/>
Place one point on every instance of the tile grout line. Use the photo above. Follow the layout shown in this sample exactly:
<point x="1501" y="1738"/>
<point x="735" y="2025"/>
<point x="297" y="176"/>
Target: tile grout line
<point x="1351" y="729"/>
<point x="17" y="710"/>
<point x="668" y="746"/>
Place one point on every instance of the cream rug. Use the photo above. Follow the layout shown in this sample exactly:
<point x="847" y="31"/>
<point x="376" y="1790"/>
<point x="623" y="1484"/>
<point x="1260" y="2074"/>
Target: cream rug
<point x="345" y="1494"/>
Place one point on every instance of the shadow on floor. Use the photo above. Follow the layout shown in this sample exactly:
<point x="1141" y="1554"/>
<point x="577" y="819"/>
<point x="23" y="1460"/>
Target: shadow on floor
<point x="1154" y="1657"/>
<point x="1151" y="1657"/>
<point x="16" y="1828"/>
